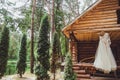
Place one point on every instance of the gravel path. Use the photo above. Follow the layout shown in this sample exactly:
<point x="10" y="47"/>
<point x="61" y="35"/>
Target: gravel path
<point x="16" y="77"/>
<point x="28" y="76"/>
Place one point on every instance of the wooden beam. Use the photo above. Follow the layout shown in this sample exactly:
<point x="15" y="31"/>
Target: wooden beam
<point x="107" y="6"/>
<point x="106" y="9"/>
<point x="96" y="25"/>
<point x="108" y="3"/>
<point x="104" y="12"/>
<point x="99" y="20"/>
<point x="98" y="29"/>
<point x="99" y="15"/>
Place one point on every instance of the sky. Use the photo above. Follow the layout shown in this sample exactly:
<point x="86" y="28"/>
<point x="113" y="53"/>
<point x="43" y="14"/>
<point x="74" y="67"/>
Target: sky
<point x="16" y="4"/>
<point x="19" y="3"/>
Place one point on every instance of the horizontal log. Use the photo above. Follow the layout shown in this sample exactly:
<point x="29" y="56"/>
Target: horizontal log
<point x="99" y="16"/>
<point x="108" y="3"/>
<point x="106" y="6"/>
<point x="96" y="18"/>
<point x="96" y="29"/>
<point x="103" y="13"/>
<point x="106" y="9"/>
<point x="99" y="21"/>
<point x="100" y="29"/>
<point x="95" y="25"/>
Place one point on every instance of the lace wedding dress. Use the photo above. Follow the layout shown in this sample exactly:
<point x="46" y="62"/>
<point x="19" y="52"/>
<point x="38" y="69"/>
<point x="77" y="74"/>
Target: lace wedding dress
<point x="104" y="59"/>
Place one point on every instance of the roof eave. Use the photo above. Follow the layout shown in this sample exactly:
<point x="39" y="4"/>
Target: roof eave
<point x="83" y="13"/>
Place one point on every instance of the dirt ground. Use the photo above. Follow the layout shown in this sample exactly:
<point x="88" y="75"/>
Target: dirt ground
<point x="59" y="76"/>
<point x="28" y="76"/>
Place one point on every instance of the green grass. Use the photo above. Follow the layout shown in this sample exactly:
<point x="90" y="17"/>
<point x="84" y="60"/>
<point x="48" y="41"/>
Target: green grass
<point x="11" y="67"/>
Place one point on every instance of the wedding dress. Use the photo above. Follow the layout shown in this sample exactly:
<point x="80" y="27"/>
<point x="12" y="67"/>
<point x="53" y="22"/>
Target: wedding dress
<point x="104" y="59"/>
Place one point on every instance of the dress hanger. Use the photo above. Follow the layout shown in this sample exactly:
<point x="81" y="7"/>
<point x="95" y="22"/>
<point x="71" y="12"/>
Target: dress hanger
<point x="101" y="33"/>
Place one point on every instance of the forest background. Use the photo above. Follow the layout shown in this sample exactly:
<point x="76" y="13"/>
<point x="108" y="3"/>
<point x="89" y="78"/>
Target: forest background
<point x="17" y="14"/>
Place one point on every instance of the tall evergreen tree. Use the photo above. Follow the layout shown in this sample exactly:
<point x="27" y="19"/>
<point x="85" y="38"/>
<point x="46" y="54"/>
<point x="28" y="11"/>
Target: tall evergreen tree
<point x="4" y="47"/>
<point x="21" y="64"/>
<point x="54" y="55"/>
<point x="32" y="37"/>
<point x="68" y="71"/>
<point x="43" y="50"/>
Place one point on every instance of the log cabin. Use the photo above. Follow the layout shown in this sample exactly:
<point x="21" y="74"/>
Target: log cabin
<point x="83" y="35"/>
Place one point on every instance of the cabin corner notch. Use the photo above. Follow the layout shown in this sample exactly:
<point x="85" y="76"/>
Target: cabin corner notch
<point x="72" y="36"/>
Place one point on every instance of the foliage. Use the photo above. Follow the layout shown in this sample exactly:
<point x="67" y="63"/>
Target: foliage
<point x="59" y="24"/>
<point x="21" y="64"/>
<point x="64" y="45"/>
<point x="43" y="46"/>
<point x="11" y="68"/>
<point x="15" y="38"/>
<point x="68" y="71"/>
<point x="24" y="23"/>
<point x="54" y="55"/>
<point x="41" y="72"/>
<point x="4" y="46"/>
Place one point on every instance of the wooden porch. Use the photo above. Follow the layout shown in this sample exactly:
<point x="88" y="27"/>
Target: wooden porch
<point x="86" y="71"/>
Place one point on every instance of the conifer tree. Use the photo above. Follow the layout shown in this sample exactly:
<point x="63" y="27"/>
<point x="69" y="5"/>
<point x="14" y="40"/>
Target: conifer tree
<point x="43" y="50"/>
<point x="4" y="47"/>
<point x="54" y="55"/>
<point x="68" y="71"/>
<point x="21" y="64"/>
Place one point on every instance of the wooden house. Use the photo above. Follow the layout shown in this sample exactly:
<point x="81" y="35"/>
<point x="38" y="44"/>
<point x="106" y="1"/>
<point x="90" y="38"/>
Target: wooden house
<point x="103" y="15"/>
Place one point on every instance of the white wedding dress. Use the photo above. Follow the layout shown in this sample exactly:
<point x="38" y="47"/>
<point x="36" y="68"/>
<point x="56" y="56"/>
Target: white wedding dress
<point x="104" y="59"/>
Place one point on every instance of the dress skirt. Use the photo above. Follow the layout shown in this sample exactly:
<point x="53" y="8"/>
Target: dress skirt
<point x="104" y="59"/>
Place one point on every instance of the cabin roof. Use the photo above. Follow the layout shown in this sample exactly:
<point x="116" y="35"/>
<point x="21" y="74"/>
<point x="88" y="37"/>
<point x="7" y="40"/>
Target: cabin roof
<point x="82" y="25"/>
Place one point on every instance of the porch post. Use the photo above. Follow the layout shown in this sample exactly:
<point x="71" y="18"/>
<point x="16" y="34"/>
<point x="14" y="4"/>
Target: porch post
<point x="73" y="48"/>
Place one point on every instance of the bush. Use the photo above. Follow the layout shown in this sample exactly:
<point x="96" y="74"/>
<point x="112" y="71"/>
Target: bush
<point x="4" y="47"/>
<point x="43" y="48"/>
<point x="68" y="71"/>
<point x="21" y="64"/>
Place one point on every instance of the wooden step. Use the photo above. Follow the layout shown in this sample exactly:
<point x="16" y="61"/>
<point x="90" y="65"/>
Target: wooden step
<point x="86" y="76"/>
<point x="83" y="79"/>
<point x="76" y="67"/>
<point x="80" y="71"/>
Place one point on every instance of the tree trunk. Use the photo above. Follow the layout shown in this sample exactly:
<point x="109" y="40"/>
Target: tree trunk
<point x="32" y="37"/>
<point x="20" y="75"/>
<point x="52" y="21"/>
<point x="38" y="78"/>
<point x="54" y="74"/>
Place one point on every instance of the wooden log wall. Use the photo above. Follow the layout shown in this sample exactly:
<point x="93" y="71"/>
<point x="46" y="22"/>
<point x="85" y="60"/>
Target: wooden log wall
<point x="73" y="47"/>
<point x="73" y="50"/>
<point x="104" y="15"/>
<point x="88" y="50"/>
